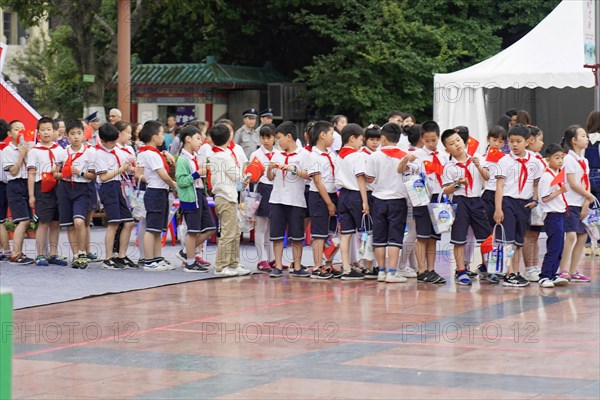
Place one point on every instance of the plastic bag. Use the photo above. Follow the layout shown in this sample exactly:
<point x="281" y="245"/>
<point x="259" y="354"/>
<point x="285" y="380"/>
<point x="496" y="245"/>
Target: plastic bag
<point x="366" y="238"/>
<point x="332" y="244"/>
<point x="537" y="216"/>
<point x="442" y="215"/>
<point x="418" y="190"/>
<point x="500" y="254"/>
<point x="251" y="203"/>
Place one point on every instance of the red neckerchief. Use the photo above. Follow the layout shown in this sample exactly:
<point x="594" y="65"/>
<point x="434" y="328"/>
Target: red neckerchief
<point x="553" y="175"/>
<point x="394" y="153"/>
<point x="345" y="151"/>
<point x="155" y="150"/>
<point x="287" y="158"/>
<point x="366" y="151"/>
<point x="326" y="154"/>
<point x="192" y="157"/>
<point x="308" y="147"/>
<point x="437" y="164"/>
<point x="585" y="179"/>
<point x="523" y="174"/>
<point x="50" y="153"/>
<point x="68" y="166"/>
<point x="112" y="151"/>
<point x="230" y="146"/>
<point x="539" y="157"/>
<point x="268" y="155"/>
<point x="468" y="175"/>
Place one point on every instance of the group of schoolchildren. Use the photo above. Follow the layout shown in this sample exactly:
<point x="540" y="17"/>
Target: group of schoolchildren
<point x="357" y="189"/>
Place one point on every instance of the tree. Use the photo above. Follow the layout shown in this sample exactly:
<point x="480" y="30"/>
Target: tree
<point x="92" y="32"/>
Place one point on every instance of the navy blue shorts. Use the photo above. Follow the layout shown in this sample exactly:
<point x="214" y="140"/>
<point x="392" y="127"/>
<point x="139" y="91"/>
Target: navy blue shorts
<point x="114" y="203"/>
<point x="573" y="220"/>
<point x="3" y="202"/>
<point x="17" y="196"/>
<point x="423" y="221"/>
<point x="287" y="217"/>
<point x="46" y="204"/>
<point x="73" y="201"/>
<point x="264" y="209"/>
<point x="516" y="220"/>
<point x="199" y="220"/>
<point x="350" y="211"/>
<point x="370" y="199"/>
<point x="156" y="202"/>
<point x="321" y="223"/>
<point x="489" y="204"/>
<point x="470" y="211"/>
<point x="93" y="196"/>
<point x="306" y="192"/>
<point x="389" y="222"/>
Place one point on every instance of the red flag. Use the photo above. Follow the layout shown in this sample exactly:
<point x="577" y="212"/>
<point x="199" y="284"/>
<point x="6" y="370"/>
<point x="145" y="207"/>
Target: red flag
<point x="28" y="136"/>
<point x="487" y="246"/>
<point x="394" y="153"/>
<point x="494" y="155"/>
<point x="255" y="169"/>
<point x="431" y="167"/>
<point x="558" y="179"/>
<point x="472" y="145"/>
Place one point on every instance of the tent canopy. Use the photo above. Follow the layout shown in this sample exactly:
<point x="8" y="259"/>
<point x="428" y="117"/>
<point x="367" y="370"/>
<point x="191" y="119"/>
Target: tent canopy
<point x="549" y="56"/>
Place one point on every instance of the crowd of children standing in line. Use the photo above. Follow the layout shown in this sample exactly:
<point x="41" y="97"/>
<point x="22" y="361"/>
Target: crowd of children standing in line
<point x="346" y="178"/>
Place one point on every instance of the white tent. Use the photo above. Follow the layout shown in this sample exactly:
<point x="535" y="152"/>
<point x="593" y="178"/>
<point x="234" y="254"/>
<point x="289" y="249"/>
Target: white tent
<point x="542" y="73"/>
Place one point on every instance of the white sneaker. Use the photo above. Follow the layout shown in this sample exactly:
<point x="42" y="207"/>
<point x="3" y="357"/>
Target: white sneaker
<point x="242" y="271"/>
<point x="558" y="281"/>
<point x="395" y="278"/>
<point x="531" y="274"/>
<point x="155" y="267"/>
<point x="546" y="283"/>
<point x="407" y="272"/>
<point x="381" y="276"/>
<point x="168" y="266"/>
<point x="227" y="272"/>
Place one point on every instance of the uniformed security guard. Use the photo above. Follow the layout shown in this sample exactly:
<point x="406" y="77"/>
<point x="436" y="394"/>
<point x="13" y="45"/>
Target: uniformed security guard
<point x="266" y="117"/>
<point x="247" y="136"/>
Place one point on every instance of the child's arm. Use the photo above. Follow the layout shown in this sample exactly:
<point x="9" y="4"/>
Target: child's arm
<point x="555" y="194"/>
<point x="536" y="184"/>
<point x="164" y="175"/>
<point x="499" y="214"/>
<point x="108" y="175"/>
<point x="362" y="187"/>
<point x="323" y="192"/>
<point x="31" y="186"/>
<point x="270" y="172"/>
<point x="15" y="169"/>
<point x="183" y="174"/>
<point x="403" y="165"/>
<point x="577" y="188"/>
<point x="87" y="174"/>
<point x="485" y="174"/>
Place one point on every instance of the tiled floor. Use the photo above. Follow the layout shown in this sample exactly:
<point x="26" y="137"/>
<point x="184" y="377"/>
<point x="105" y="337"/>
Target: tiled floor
<point x="256" y="337"/>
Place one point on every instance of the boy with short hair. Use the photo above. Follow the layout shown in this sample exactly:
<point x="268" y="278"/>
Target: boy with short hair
<point x="198" y="218"/>
<point x="4" y="243"/>
<point x="152" y="165"/>
<point x="389" y="202"/>
<point x="288" y="172"/>
<point x="353" y="202"/>
<point x="110" y="164"/>
<point x="517" y="176"/>
<point x="463" y="178"/>
<point x="43" y="166"/>
<point x="225" y="175"/>
<point x="73" y="192"/>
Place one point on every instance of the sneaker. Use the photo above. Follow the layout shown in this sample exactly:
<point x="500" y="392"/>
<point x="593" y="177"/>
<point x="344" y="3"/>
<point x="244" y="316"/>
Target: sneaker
<point x="276" y="273"/>
<point x="181" y="255"/>
<point x="241" y="270"/>
<point x="515" y="280"/>
<point x="58" y="260"/>
<point x="227" y="272"/>
<point x="579" y="277"/>
<point x="128" y="263"/>
<point x="462" y="278"/>
<point x="141" y="263"/>
<point x="381" y="276"/>
<point x="195" y="267"/>
<point x="168" y="266"/>
<point x="565" y="275"/>
<point x="394" y="278"/>
<point x="353" y="275"/>
<point x="202" y="261"/>
<point x="321" y="273"/>
<point x="492" y="278"/>
<point x="531" y="274"/>
<point x="482" y="271"/>
<point x="21" y="259"/>
<point x="41" y="261"/>
<point x="436" y="278"/>
<point x="558" y="281"/>
<point x="111" y="263"/>
<point x="155" y="266"/>
<point x="470" y="274"/>
<point x="337" y="274"/>
<point x="546" y="283"/>
<point x="588" y="251"/>
<point x="80" y="262"/>
<point x="425" y="277"/>
<point x="407" y="272"/>
<point x="301" y="273"/>
<point x="263" y="266"/>
<point x="92" y="257"/>
<point x="372" y="274"/>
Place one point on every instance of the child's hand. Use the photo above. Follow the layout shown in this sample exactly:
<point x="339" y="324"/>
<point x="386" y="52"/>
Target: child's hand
<point x="75" y="171"/>
<point x="169" y="157"/>
<point x="462" y="181"/>
<point x="331" y="208"/>
<point x="365" y="208"/>
<point x="32" y="201"/>
<point x="476" y="161"/>
<point x="23" y="149"/>
<point x="590" y="197"/>
<point x="563" y="189"/>
<point x="410" y="157"/>
<point x="531" y="205"/>
<point x="585" y="210"/>
<point x="498" y="216"/>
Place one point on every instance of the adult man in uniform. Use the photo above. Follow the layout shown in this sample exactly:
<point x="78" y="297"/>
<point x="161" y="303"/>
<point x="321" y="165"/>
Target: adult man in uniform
<point x="247" y="136"/>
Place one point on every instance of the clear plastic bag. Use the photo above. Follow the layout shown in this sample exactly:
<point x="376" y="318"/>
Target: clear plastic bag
<point x="442" y="214"/>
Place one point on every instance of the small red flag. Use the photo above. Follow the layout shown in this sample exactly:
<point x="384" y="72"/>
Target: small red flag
<point x="431" y="167"/>
<point x="487" y="246"/>
<point x="494" y="155"/>
<point x="472" y="145"/>
<point x="28" y="136"/>
<point x="558" y="179"/>
<point x="255" y="169"/>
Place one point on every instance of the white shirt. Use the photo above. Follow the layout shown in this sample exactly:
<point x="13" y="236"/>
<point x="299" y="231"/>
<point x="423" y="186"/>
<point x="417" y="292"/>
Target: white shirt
<point x="337" y="141"/>
<point x="557" y="204"/>
<point x="510" y="169"/>
<point x="151" y="162"/>
<point x="403" y="142"/>
<point x="225" y="175"/>
<point x="106" y="161"/>
<point x="454" y="172"/>
<point x="265" y="157"/>
<point x="327" y="167"/>
<point x="424" y="154"/>
<point x="10" y="155"/>
<point x="39" y="159"/>
<point x="83" y="162"/>
<point x="240" y="154"/>
<point x="288" y="189"/>
<point x="367" y="153"/>
<point x="572" y="166"/>
<point x="493" y="169"/>
<point x="205" y="150"/>
<point x="388" y="182"/>
<point x="350" y="167"/>
<point x="2" y="173"/>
